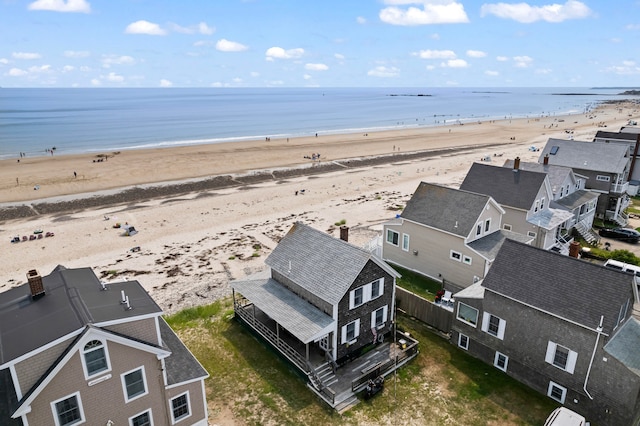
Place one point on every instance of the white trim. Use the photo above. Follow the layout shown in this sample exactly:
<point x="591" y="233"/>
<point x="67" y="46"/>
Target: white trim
<point x="531" y="234"/>
<point x="356" y="332"/>
<point x="497" y="357"/>
<point x="43" y="348"/>
<point x="457" y="259"/>
<point x="384" y="317"/>
<point x="54" y="410"/>
<point x="464" y="320"/>
<point x="487" y="226"/>
<point x="127" y="320"/>
<point x="403" y="241"/>
<point x="550" y="357"/>
<point x="148" y="410"/>
<point x="16" y="382"/>
<point x="105" y="350"/>
<point x="186" y="382"/>
<point x="124" y="384"/>
<point x="204" y="402"/>
<point x="460" y="336"/>
<point x="386" y="237"/>
<point x="507" y="227"/>
<point x="550" y="388"/>
<point x="603" y="178"/>
<point x="158" y="333"/>
<point x="173" y="419"/>
<point x="467" y="260"/>
<point x="486" y="318"/>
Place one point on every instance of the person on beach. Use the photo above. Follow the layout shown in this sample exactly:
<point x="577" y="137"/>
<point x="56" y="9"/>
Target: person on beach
<point x="75" y="175"/>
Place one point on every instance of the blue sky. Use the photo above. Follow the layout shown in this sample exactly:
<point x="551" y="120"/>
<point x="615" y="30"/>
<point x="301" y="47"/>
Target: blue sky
<point x="319" y="43"/>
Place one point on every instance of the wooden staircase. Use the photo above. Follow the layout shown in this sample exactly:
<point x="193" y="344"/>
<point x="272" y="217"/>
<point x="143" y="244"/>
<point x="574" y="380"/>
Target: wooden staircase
<point x="586" y="233"/>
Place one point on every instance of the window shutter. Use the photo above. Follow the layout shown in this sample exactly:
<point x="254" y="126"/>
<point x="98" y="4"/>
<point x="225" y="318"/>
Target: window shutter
<point x="344" y="334"/>
<point x="373" y="319"/>
<point x="381" y="286"/>
<point x="366" y="293"/>
<point x="485" y="321"/>
<point x="571" y="361"/>
<point x="501" y="326"/>
<point x="551" y="352"/>
<point x="384" y="313"/>
<point x="357" y="333"/>
<point x="351" y="295"/>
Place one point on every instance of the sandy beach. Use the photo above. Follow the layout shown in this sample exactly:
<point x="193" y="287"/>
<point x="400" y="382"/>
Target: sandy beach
<point x="196" y="237"/>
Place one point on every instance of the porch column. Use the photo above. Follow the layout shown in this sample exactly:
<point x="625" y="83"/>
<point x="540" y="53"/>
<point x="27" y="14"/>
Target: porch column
<point x="307" y="347"/>
<point x="618" y="206"/>
<point x="277" y="334"/>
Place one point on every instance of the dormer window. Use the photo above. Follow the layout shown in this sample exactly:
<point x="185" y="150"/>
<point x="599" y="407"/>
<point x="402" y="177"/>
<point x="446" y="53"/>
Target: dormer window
<point x="95" y="357"/>
<point x="542" y="203"/>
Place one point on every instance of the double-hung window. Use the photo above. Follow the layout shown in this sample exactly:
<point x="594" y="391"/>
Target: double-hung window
<point x="392" y="237"/>
<point x="142" y="419"/>
<point x="405" y="242"/>
<point x="95" y="358"/>
<point x="358" y="296"/>
<point x="493" y="325"/>
<point x="134" y="384"/>
<point x="365" y="293"/>
<point x="180" y="407"/>
<point x="561" y="357"/>
<point x="68" y="410"/>
<point x="379" y="317"/>
<point x="351" y="331"/>
<point x="557" y="392"/>
<point x="500" y="361"/>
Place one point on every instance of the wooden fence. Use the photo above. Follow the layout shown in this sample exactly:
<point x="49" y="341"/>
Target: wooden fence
<point x="423" y="310"/>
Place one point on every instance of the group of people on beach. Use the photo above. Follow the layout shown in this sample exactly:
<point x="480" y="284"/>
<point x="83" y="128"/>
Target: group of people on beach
<point x="314" y="157"/>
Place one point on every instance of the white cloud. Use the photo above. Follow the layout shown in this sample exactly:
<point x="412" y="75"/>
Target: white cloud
<point x="502" y="58"/>
<point x="632" y="27"/>
<point x="543" y="71"/>
<point x="16" y="72"/>
<point x="382" y="71"/>
<point x="427" y="12"/>
<point x="307" y="77"/>
<point x="225" y="45"/>
<point x="522" y="61"/>
<point x="114" y="78"/>
<point x="40" y="69"/>
<point x="4" y="61"/>
<point x="316" y="67"/>
<point x="431" y="67"/>
<point x="85" y="68"/>
<point x="236" y="80"/>
<point x="201" y="28"/>
<point x="279" y="53"/>
<point x="165" y="83"/>
<point x="338" y="56"/>
<point x="615" y="40"/>
<point x="76" y="54"/>
<point x="525" y="13"/>
<point x="455" y="63"/>
<point x="254" y="74"/>
<point x="80" y="6"/>
<point x="627" y="68"/>
<point x="96" y="82"/>
<point x="476" y="54"/>
<point x="204" y="29"/>
<point x="201" y="43"/>
<point x="435" y="36"/>
<point x="109" y="60"/>
<point x="492" y="73"/>
<point x="68" y="68"/>
<point x="144" y="27"/>
<point x="25" y="55"/>
<point x="435" y="54"/>
<point x="360" y="20"/>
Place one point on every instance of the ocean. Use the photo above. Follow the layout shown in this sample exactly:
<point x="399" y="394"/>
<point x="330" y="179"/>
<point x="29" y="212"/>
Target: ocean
<point x="75" y="121"/>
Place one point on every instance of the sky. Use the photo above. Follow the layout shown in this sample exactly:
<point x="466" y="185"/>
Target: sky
<point x="319" y="43"/>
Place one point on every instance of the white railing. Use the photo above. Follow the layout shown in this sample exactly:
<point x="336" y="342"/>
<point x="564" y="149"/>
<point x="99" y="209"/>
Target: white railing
<point x="619" y="188"/>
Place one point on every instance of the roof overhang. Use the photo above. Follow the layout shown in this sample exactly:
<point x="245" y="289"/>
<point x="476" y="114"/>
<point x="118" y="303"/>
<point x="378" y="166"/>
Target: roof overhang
<point x="550" y="219"/>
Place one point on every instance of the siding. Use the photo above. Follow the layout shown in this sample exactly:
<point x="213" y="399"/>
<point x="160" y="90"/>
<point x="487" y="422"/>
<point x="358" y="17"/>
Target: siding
<point x="196" y="402"/>
<point x="30" y="370"/>
<point x="143" y="329"/>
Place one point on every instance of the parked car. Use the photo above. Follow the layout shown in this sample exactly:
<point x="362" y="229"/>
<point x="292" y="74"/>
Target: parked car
<point x="623" y="234"/>
<point x="564" y="417"/>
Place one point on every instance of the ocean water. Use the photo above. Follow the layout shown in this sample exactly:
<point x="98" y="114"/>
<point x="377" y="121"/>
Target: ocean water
<point x="104" y="120"/>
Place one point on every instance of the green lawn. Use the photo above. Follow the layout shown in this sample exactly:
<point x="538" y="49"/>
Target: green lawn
<point x="418" y="284"/>
<point x="251" y="384"/>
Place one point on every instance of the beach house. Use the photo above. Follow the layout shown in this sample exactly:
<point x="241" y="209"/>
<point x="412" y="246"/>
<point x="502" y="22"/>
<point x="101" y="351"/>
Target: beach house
<point x="447" y="234"/>
<point x="606" y="166"/>
<point x="78" y="351"/>
<point x="564" y="327"/>
<point x="321" y="303"/>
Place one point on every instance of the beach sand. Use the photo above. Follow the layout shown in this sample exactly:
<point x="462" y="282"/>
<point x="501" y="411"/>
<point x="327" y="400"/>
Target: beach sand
<point x="193" y="243"/>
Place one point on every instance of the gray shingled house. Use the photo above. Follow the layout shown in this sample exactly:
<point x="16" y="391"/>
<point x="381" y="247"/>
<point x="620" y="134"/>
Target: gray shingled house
<point x="606" y="165"/>
<point x="560" y="325"/>
<point x="526" y="198"/>
<point x="447" y="234"/>
<point x="74" y="351"/>
<point x="320" y="304"/>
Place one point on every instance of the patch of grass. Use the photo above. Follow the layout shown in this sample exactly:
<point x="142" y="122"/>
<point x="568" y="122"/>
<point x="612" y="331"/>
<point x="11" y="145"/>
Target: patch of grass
<point x="232" y="257"/>
<point x="256" y="254"/>
<point x="418" y="284"/>
<point x="341" y="222"/>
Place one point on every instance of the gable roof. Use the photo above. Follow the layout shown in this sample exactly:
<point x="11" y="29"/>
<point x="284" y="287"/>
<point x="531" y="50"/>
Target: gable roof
<point x="570" y="288"/>
<point x="624" y="345"/>
<point x="557" y="174"/>
<point x="594" y="156"/>
<point x="181" y="366"/>
<point x="319" y="263"/>
<point x="447" y="209"/>
<point x="575" y="199"/>
<point x="510" y="188"/>
<point x="621" y="136"/>
<point x="489" y="245"/>
<point x="73" y="298"/>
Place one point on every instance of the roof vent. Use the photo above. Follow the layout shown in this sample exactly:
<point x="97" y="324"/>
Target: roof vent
<point x="35" y="284"/>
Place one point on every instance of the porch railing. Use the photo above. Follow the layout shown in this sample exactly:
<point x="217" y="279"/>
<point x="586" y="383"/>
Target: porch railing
<point x="619" y="188"/>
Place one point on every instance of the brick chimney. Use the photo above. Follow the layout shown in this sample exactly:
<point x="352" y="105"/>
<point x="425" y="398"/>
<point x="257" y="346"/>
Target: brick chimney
<point x="344" y="233"/>
<point x="546" y="160"/>
<point x="516" y="163"/>
<point x="574" y="249"/>
<point x="35" y="284"/>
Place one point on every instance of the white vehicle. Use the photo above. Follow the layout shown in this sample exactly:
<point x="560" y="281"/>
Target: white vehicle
<point x="624" y="267"/>
<point x="564" y="417"/>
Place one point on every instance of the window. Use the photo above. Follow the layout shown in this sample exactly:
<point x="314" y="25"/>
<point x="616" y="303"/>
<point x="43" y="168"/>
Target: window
<point x="542" y="203"/>
<point x="531" y="234"/>
<point x="379" y="317"/>
<point x="142" y="419"/>
<point x="68" y="411"/>
<point x="351" y="331"/>
<point x="134" y="384"/>
<point x="479" y="229"/>
<point x="375" y="288"/>
<point x="557" y="392"/>
<point x="180" y="407"/>
<point x="500" y="361"/>
<point x="537" y="205"/>
<point x="463" y="341"/>
<point x="602" y="178"/>
<point x="561" y="357"/>
<point x="392" y="237"/>
<point x="506" y="227"/>
<point x="405" y="242"/>
<point x="466" y="259"/>
<point x="358" y="296"/>
<point x="493" y="325"/>
<point x="467" y="314"/>
<point x="455" y="255"/>
<point x="365" y="293"/>
<point x="487" y="225"/>
<point x="95" y="358"/>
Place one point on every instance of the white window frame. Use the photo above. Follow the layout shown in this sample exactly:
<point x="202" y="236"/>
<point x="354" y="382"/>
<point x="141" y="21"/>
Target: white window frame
<point x="542" y="200"/>
<point x="467" y="260"/>
<point x="562" y="388"/>
<point x="148" y="410"/>
<point x="385" y="310"/>
<point x="487" y="225"/>
<point x="54" y="409"/>
<point x="531" y="234"/>
<point x="464" y="345"/>
<point x="186" y="416"/>
<point x="405" y="242"/>
<point x="507" y="227"/>
<point x="502" y="324"/>
<point x="367" y="295"/>
<point x="392" y="232"/>
<point x="124" y="384"/>
<point x="380" y="283"/>
<point x="455" y="255"/>
<point x="550" y="357"/>
<point x="478" y="229"/>
<point x="352" y="297"/>
<point x="603" y="178"/>
<point x="464" y="320"/>
<point x="83" y="353"/>
<point x="356" y="324"/>
<point x="537" y="206"/>
<point x="497" y="357"/>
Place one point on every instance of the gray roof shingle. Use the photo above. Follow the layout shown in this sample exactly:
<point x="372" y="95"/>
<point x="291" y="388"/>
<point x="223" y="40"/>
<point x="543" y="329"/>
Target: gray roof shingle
<point x="594" y="156"/>
<point x="517" y="189"/>
<point x="557" y="174"/>
<point x="624" y="345"/>
<point x="181" y="365"/>
<point x="447" y="209"/>
<point x="489" y="245"/>
<point x="319" y="263"/>
<point x="623" y="136"/>
<point x="573" y="289"/>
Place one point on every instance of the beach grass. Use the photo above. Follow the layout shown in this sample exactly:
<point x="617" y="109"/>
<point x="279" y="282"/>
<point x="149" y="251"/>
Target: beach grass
<point x="443" y="385"/>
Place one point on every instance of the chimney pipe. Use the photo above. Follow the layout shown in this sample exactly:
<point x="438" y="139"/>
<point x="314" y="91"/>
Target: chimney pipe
<point x="546" y="160"/>
<point x="344" y="233"/>
<point x="35" y="284"/>
<point x="516" y="163"/>
<point x="574" y="249"/>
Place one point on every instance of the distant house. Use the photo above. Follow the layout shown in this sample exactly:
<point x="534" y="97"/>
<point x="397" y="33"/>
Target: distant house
<point x="569" y="193"/>
<point x="447" y="234"/>
<point x="322" y="303"/>
<point x="606" y="165"/>
<point x="526" y="199"/>
<point x="75" y="351"/>
<point x="560" y="325"/>
<point x="629" y="138"/>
